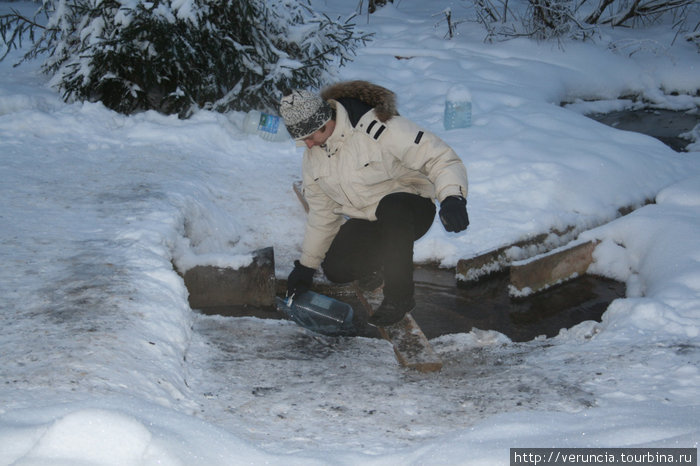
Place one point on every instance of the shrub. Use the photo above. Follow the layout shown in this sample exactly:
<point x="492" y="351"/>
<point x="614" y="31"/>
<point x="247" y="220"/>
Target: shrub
<point x="175" y="56"/>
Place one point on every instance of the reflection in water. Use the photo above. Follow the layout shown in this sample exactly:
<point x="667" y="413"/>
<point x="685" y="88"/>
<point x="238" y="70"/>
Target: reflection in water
<point x="443" y="307"/>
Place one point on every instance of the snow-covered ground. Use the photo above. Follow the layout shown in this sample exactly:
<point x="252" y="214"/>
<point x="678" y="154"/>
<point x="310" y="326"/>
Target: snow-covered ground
<point x="103" y="362"/>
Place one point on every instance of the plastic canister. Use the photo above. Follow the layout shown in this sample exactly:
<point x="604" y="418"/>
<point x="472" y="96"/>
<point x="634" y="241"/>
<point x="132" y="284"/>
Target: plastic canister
<point x="319" y="313"/>
<point x="268" y="127"/>
<point x="458" y="107"/>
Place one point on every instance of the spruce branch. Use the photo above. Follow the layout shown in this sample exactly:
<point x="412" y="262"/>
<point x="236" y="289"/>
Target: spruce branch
<point x="16" y="25"/>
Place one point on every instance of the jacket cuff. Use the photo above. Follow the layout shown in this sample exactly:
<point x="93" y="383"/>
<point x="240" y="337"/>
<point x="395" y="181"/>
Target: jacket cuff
<point x="452" y="190"/>
<point x="310" y="261"/>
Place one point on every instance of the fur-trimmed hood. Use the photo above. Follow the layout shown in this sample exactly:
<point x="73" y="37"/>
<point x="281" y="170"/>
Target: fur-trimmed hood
<point x="381" y="99"/>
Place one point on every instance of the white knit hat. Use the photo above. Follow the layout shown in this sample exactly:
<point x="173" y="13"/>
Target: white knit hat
<point x="304" y="112"/>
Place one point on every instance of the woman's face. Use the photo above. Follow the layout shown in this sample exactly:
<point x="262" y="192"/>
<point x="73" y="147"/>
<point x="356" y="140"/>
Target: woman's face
<point x="320" y="136"/>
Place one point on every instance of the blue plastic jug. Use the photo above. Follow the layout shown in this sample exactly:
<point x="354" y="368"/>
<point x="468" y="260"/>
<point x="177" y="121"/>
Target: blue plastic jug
<point x="458" y="108"/>
<point x="318" y="313"/>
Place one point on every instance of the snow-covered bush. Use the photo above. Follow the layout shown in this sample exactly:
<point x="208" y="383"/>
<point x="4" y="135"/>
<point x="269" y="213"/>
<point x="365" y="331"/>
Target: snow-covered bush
<point x="546" y="19"/>
<point x="539" y="19"/>
<point x="178" y="55"/>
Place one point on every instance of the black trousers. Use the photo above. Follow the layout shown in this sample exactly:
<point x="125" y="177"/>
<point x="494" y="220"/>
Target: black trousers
<point x="362" y="247"/>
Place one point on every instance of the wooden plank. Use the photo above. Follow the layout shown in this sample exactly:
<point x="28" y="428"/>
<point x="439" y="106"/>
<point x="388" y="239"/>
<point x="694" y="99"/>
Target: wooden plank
<point x="551" y="269"/>
<point x="212" y="287"/>
<point x="500" y="258"/>
<point x="474" y="268"/>
<point x="411" y="346"/>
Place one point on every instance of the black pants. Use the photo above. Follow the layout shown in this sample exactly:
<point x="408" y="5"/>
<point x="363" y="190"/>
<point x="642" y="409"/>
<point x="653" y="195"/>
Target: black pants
<point x="362" y="247"/>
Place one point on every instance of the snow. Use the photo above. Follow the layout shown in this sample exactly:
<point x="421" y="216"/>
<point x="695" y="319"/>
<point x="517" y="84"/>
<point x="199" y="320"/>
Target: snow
<point x="103" y="362"/>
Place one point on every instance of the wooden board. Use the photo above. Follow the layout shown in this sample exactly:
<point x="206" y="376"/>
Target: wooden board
<point x="550" y="269"/>
<point x="411" y="346"/>
<point x="212" y="289"/>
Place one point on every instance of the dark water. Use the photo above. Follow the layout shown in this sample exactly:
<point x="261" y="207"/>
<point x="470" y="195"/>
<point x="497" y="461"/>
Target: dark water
<point x="664" y="125"/>
<point x="443" y="307"/>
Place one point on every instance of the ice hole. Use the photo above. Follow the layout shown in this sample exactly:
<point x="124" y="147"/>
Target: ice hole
<point x="676" y="129"/>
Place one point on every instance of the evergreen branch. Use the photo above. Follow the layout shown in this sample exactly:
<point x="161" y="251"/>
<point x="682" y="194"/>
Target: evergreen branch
<point x="16" y="24"/>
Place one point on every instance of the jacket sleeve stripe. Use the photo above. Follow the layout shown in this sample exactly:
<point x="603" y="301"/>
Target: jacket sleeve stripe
<point x="371" y="125"/>
<point x="379" y="132"/>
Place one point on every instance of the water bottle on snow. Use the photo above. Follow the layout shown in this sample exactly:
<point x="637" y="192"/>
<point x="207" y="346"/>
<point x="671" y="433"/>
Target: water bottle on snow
<point x="318" y="313"/>
<point x="269" y="127"/>
<point x="458" y="107"/>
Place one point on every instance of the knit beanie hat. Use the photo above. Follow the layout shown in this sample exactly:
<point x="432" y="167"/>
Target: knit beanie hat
<point x="304" y="112"/>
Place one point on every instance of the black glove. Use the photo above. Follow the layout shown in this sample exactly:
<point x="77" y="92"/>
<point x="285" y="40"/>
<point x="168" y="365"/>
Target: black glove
<point x="300" y="279"/>
<point x="453" y="213"/>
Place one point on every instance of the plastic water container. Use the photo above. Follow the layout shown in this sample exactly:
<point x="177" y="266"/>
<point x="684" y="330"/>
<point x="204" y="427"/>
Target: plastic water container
<point x="458" y="107"/>
<point x="269" y="127"/>
<point x="318" y="313"/>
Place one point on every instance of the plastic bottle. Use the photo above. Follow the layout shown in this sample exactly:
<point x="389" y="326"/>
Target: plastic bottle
<point x="269" y="127"/>
<point x="458" y="107"/>
<point x="318" y="313"/>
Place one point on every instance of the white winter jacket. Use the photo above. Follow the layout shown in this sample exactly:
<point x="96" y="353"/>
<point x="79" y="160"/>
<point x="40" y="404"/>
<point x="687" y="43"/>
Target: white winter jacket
<point x="357" y="167"/>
